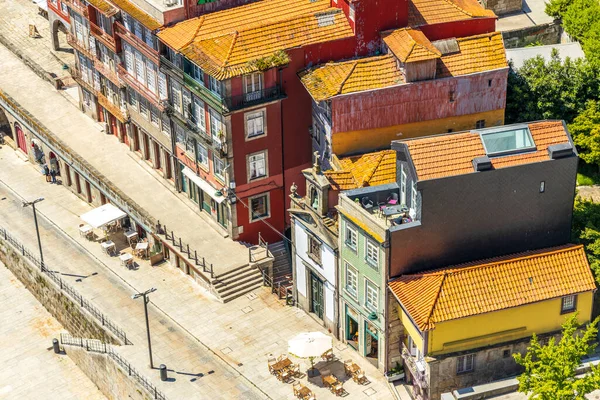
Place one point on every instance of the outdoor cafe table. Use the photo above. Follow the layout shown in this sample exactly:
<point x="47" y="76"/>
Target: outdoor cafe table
<point x="281" y="365"/>
<point x="330" y="380"/>
<point x="388" y="211"/>
<point x="304" y="392"/>
<point x="353" y="368"/>
<point x="142" y="247"/>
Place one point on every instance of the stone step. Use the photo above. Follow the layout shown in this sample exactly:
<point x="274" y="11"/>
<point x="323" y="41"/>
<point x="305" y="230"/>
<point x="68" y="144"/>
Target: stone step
<point x="242" y="291"/>
<point x="233" y="279"/>
<point x="224" y="291"/>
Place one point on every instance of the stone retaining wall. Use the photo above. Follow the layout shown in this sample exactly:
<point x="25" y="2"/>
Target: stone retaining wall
<point x="549" y="33"/>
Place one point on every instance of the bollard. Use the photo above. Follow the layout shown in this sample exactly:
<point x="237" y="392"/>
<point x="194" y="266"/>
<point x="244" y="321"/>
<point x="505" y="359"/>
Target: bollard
<point x="163" y="372"/>
<point x="55" y="346"/>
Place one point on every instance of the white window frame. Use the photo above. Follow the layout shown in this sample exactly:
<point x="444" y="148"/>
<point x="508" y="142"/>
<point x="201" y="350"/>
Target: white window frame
<point x="371" y="290"/>
<point x="151" y="76"/>
<point x="351" y="286"/>
<point x="165" y="125"/>
<point x="568" y="304"/>
<point x="255" y="124"/>
<point x="465" y="364"/>
<point x="144" y="107"/>
<point x="215" y="86"/>
<point x="140" y="68"/>
<point x="370" y="250"/>
<point x="215" y="123"/>
<point x="154" y="118"/>
<point x="353" y="234"/>
<point x="220" y="172"/>
<point x="196" y="73"/>
<point x="413" y="196"/>
<point x="253" y="160"/>
<point x="202" y="154"/>
<point x="176" y="96"/>
<point x="162" y="86"/>
<point x="268" y="204"/>
<point x="199" y="113"/>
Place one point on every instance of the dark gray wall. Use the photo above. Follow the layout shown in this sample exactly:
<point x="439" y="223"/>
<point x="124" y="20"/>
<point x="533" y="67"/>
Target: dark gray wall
<point x="487" y="214"/>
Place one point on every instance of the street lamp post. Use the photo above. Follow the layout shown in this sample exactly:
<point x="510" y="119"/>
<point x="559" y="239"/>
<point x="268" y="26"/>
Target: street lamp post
<point x="146" y="300"/>
<point x="37" y="229"/>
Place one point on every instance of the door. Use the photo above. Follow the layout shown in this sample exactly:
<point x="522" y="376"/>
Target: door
<point x="316" y="301"/>
<point x="157" y="152"/>
<point x="168" y="172"/>
<point x="88" y="191"/>
<point x="21" y="139"/>
<point x="77" y="183"/>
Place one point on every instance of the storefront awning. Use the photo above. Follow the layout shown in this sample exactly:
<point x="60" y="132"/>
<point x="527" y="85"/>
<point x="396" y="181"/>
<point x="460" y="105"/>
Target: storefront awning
<point x="103" y="215"/>
<point x="203" y="185"/>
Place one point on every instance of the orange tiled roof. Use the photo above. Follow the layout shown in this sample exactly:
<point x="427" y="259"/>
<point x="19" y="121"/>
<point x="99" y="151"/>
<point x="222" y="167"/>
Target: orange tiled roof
<point x="226" y="43"/>
<point x="104" y="7"/>
<point x="141" y="16"/>
<point x="492" y="285"/>
<point x="452" y="154"/>
<point x="477" y="53"/>
<point x="370" y="169"/>
<point x="427" y="12"/>
<point x="409" y="45"/>
<point x="351" y="76"/>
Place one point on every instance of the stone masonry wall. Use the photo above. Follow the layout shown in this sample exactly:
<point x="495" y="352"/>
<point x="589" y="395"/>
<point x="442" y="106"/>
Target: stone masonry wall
<point x="103" y="371"/>
<point x="501" y="7"/>
<point x="75" y="319"/>
<point x="549" y="33"/>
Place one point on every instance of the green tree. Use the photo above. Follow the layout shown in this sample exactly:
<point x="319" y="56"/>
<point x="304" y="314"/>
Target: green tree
<point x="550" y="369"/>
<point x="586" y="230"/>
<point x="585" y="130"/>
<point x="557" y="8"/>
<point x="580" y="17"/>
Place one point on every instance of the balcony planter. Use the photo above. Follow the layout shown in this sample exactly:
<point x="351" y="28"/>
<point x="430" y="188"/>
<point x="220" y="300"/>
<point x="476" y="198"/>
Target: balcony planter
<point x="395" y="374"/>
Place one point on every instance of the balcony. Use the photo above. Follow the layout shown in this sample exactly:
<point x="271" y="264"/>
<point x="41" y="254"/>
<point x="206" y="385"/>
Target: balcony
<point x="77" y="77"/>
<point x="103" y="37"/>
<point x="140" y="88"/>
<point x="254" y="98"/>
<point x="108" y="73"/>
<point x="115" y="110"/>
<point x="136" y="42"/>
<point x="77" y="6"/>
<point x="416" y="368"/>
<point x="80" y="47"/>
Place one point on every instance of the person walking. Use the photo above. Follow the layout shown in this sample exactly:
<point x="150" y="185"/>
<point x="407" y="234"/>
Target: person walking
<point x="53" y="175"/>
<point x="46" y="172"/>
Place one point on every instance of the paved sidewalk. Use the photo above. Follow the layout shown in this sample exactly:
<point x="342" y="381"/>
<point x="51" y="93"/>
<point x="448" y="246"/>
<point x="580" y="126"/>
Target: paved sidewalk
<point x="15" y="18"/>
<point x="111" y="158"/>
<point x="532" y="14"/>
<point x="30" y="370"/>
<point x="244" y="333"/>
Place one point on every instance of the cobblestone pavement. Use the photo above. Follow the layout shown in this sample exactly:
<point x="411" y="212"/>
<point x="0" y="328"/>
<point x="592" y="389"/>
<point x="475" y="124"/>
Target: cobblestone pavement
<point x="117" y="163"/>
<point x="30" y="369"/>
<point x="15" y="18"/>
<point x="192" y="332"/>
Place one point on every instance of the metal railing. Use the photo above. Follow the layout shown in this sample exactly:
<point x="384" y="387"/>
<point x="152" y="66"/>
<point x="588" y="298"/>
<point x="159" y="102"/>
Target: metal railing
<point x="77" y="6"/>
<point x="140" y="88"/>
<point x="103" y="348"/>
<point x="80" y="46"/>
<point x="65" y="287"/>
<point x="135" y="41"/>
<point x="261" y="253"/>
<point x="254" y="98"/>
<point x="103" y="36"/>
<point x="184" y="248"/>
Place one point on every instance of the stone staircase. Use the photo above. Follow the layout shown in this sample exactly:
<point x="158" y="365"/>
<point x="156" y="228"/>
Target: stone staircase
<point x="233" y="284"/>
<point x="282" y="267"/>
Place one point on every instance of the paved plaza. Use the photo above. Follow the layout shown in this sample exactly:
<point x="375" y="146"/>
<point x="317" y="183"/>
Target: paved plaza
<point x="192" y="332"/>
<point x="30" y="369"/>
<point x="533" y="13"/>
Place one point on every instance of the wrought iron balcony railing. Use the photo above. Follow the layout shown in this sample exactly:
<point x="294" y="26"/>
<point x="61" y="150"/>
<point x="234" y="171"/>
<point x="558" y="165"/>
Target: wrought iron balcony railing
<point x="103" y="36"/>
<point x="80" y="47"/>
<point x="254" y="98"/>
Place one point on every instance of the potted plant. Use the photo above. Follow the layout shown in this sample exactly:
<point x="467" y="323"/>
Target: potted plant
<point x="395" y="373"/>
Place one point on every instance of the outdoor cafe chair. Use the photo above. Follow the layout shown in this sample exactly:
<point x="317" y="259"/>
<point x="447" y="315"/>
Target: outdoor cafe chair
<point x="359" y="377"/>
<point x="272" y="361"/>
<point x="328" y="355"/>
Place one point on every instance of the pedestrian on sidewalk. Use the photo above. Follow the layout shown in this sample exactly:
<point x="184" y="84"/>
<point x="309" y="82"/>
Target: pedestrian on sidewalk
<point x="53" y="175"/>
<point x="46" y="172"/>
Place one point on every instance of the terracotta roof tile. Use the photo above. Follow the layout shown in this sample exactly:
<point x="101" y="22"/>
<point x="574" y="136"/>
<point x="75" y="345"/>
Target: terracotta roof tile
<point x="141" y="16"/>
<point x="225" y="43"/>
<point x="452" y="154"/>
<point x="370" y="169"/>
<point x="427" y="12"/>
<point x="409" y="45"/>
<point x="104" y="7"/>
<point x="477" y="53"/>
<point x="494" y="284"/>
<point x="351" y="76"/>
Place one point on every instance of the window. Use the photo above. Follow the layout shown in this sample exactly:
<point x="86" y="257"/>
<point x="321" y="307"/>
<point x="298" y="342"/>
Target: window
<point x="402" y="185"/>
<point x="489" y="83"/>
<point x="144" y="107"/>
<point x="542" y="186"/>
<point x="503" y="141"/>
<point x="215" y="86"/>
<point x="187" y="103"/>
<point x="151" y="74"/>
<point x="255" y="124"/>
<point x="190" y="147"/>
<point x="198" y="113"/>
<point x="451" y="96"/>
<point x="138" y="30"/>
<point x="154" y="115"/>
<point x="413" y="196"/>
<point x="129" y="63"/>
<point x="259" y="207"/>
<point x="133" y="99"/>
<point x="148" y="38"/>
<point x="127" y="21"/>
<point x="140" y="75"/>
<point x="196" y="73"/>
<point x="372" y="254"/>
<point x="253" y="87"/>
<point x="506" y="353"/>
<point x="351" y="280"/>
<point x="569" y="304"/>
<point x="63" y="8"/>
<point x="371" y="295"/>
<point x="215" y="123"/>
<point x="314" y="249"/>
<point x="218" y="167"/>
<point x="351" y="237"/>
<point x="162" y="86"/>
<point x="480" y="124"/>
<point x="465" y="364"/>
<point x="166" y="125"/>
<point x="176" y="95"/>
<point x="257" y="165"/>
<point x="202" y="154"/>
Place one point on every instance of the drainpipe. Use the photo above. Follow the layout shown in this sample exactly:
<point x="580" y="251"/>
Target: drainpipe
<point x="386" y="303"/>
<point x="282" y="148"/>
<point x="177" y="172"/>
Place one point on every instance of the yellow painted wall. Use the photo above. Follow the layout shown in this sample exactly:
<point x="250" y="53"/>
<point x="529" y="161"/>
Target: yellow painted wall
<point x="367" y="140"/>
<point x="410" y="328"/>
<point x="504" y="325"/>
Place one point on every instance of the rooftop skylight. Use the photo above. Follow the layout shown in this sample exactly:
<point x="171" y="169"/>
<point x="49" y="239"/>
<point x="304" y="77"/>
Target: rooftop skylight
<point x="502" y="141"/>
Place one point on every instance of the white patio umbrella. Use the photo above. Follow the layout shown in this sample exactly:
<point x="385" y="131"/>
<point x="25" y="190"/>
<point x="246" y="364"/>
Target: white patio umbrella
<point x="310" y="345"/>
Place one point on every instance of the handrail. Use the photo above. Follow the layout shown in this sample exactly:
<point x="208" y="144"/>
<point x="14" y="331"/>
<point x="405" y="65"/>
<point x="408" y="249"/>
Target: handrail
<point x="192" y="255"/>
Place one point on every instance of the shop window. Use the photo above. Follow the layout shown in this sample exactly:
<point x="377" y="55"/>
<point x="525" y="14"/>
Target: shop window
<point x="465" y="364"/>
<point x="259" y="207"/>
<point x="352" y="334"/>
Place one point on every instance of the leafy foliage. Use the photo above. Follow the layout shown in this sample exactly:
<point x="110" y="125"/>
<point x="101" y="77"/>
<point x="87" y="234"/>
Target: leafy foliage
<point x="586" y="230"/>
<point x="557" y="8"/>
<point x="555" y="89"/>
<point x="276" y="59"/>
<point x="550" y="369"/>
<point x="585" y="130"/>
